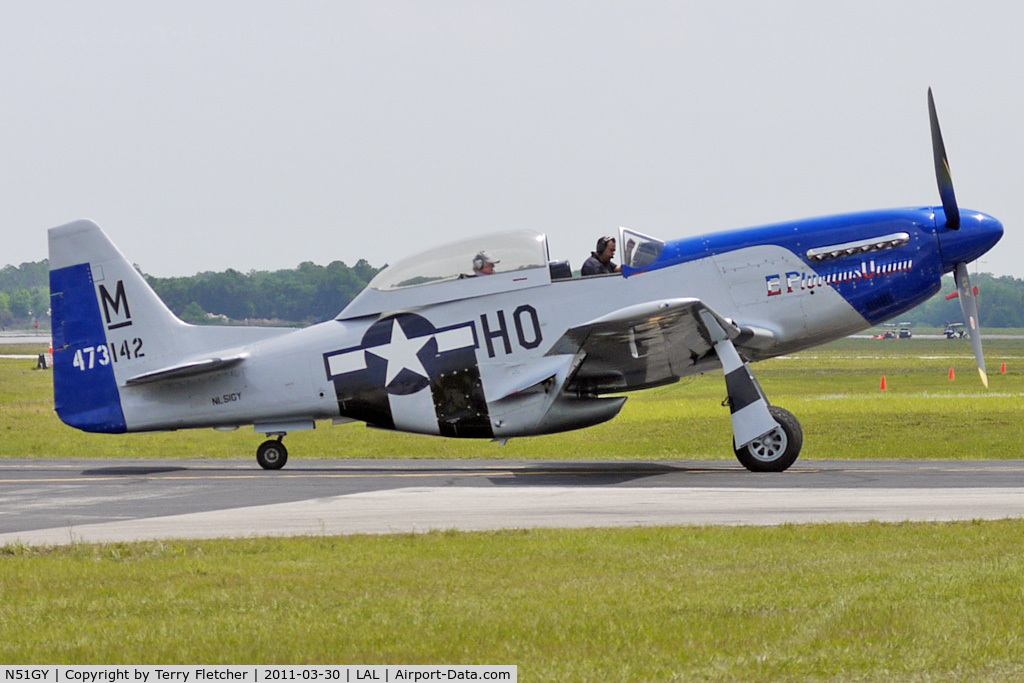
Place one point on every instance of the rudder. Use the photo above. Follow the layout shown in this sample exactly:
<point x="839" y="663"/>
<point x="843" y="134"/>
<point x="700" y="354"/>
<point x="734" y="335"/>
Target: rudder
<point x="108" y="324"/>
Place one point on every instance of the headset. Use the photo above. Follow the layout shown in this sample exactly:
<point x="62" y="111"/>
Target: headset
<point x="481" y="260"/>
<point x="602" y="243"/>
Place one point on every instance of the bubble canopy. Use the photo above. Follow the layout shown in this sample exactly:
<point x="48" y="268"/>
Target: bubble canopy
<point x="446" y="273"/>
<point x="513" y="251"/>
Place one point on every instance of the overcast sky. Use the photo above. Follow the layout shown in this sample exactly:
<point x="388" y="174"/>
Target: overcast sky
<point x="257" y="135"/>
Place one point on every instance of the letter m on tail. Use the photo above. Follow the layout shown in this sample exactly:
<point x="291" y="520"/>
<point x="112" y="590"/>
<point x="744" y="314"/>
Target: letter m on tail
<point x="112" y="306"/>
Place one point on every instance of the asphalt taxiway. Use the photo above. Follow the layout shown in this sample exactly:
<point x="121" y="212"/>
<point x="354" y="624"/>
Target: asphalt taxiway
<point x="53" y="502"/>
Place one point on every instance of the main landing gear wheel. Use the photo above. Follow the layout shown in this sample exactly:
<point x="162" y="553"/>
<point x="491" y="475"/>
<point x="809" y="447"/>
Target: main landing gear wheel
<point x="776" y="450"/>
<point x="272" y="455"/>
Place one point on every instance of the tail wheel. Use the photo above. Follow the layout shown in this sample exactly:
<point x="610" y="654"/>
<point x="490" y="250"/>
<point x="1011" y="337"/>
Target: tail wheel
<point x="776" y="450"/>
<point x="272" y="455"/>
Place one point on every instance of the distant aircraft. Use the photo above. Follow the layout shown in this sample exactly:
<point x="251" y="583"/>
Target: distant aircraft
<point x="433" y="347"/>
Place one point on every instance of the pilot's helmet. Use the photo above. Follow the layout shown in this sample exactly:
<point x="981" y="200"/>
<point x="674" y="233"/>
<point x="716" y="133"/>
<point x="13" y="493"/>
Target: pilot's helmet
<point x="602" y="243"/>
<point x="481" y="259"/>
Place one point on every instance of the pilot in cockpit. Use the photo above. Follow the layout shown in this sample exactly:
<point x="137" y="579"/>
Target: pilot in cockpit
<point x="483" y="264"/>
<point x="600" y="261"/>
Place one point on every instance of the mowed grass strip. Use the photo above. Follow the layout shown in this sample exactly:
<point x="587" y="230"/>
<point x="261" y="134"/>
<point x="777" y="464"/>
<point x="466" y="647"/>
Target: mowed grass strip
<point x="834" y="391"/>
<point x="847" y="602"/>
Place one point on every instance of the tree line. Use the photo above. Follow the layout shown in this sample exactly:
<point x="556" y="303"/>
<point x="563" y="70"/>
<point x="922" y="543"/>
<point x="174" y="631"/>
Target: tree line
<point x="1000" y="303"/>
<point x="306" y="294"/>
<point x="25" y="294"/>
<point x="310" y="293"/>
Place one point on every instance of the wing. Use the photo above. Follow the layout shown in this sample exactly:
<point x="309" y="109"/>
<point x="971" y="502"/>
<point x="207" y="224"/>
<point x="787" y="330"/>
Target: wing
<point x="644" y="346"/>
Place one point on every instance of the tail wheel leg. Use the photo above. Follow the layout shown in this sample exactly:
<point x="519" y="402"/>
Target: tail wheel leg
<point x="272" y="455"/>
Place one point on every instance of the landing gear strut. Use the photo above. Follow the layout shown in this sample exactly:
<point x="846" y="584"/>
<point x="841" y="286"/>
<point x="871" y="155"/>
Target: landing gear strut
<point x="766" y="438"/>
<point x="272" y="455"/>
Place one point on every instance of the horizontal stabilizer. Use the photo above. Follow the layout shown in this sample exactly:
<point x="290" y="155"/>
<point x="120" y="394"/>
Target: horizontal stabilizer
<point x="185" y="370"/>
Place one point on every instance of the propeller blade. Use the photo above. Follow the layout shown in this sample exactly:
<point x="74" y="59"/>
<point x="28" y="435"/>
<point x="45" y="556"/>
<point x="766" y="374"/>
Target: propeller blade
<point x="942" y="174"/>
<point x="969" y="305"/>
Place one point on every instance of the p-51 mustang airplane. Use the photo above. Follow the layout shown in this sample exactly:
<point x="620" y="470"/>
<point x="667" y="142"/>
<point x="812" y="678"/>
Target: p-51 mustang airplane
<point x="528" y="350"/>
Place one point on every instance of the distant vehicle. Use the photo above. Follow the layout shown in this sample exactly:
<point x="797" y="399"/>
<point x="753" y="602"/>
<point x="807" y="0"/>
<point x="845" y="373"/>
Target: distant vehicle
<point x="896" y="331"/>
<point x="955" y="331"/>
<point x="527" y="350"/>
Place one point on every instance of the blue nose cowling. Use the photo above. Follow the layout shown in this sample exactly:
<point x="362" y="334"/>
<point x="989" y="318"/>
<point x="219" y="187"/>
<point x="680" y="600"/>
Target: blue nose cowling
<point x="978" y="233"/>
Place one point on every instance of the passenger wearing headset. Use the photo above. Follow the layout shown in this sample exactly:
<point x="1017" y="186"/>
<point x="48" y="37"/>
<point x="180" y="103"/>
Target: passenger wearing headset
<point x="600" y="261"/>
<point x="483" y="264"/>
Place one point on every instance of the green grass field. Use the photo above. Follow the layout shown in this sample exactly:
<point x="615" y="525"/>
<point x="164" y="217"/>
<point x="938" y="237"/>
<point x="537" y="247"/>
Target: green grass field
<point x="833" y="390"/>
<point x="866" y="602"/>
<point x="873" y="602"/>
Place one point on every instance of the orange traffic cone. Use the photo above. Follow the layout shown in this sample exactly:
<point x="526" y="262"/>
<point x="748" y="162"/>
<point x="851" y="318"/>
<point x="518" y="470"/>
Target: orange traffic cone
<point x="883" y="383"/>
<point x="1003" y="369"/>
<point x="952" y="375"/>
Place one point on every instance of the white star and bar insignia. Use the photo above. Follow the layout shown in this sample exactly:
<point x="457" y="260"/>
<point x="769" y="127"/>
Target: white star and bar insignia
<point x="400" y="353"/>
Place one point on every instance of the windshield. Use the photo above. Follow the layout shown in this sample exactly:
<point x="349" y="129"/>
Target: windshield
<point x="639" y="250"/>
<point x="508" y="252"/>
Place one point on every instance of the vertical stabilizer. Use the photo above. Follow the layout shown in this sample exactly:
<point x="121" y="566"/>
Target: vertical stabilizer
<point x="108" y="324"/>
